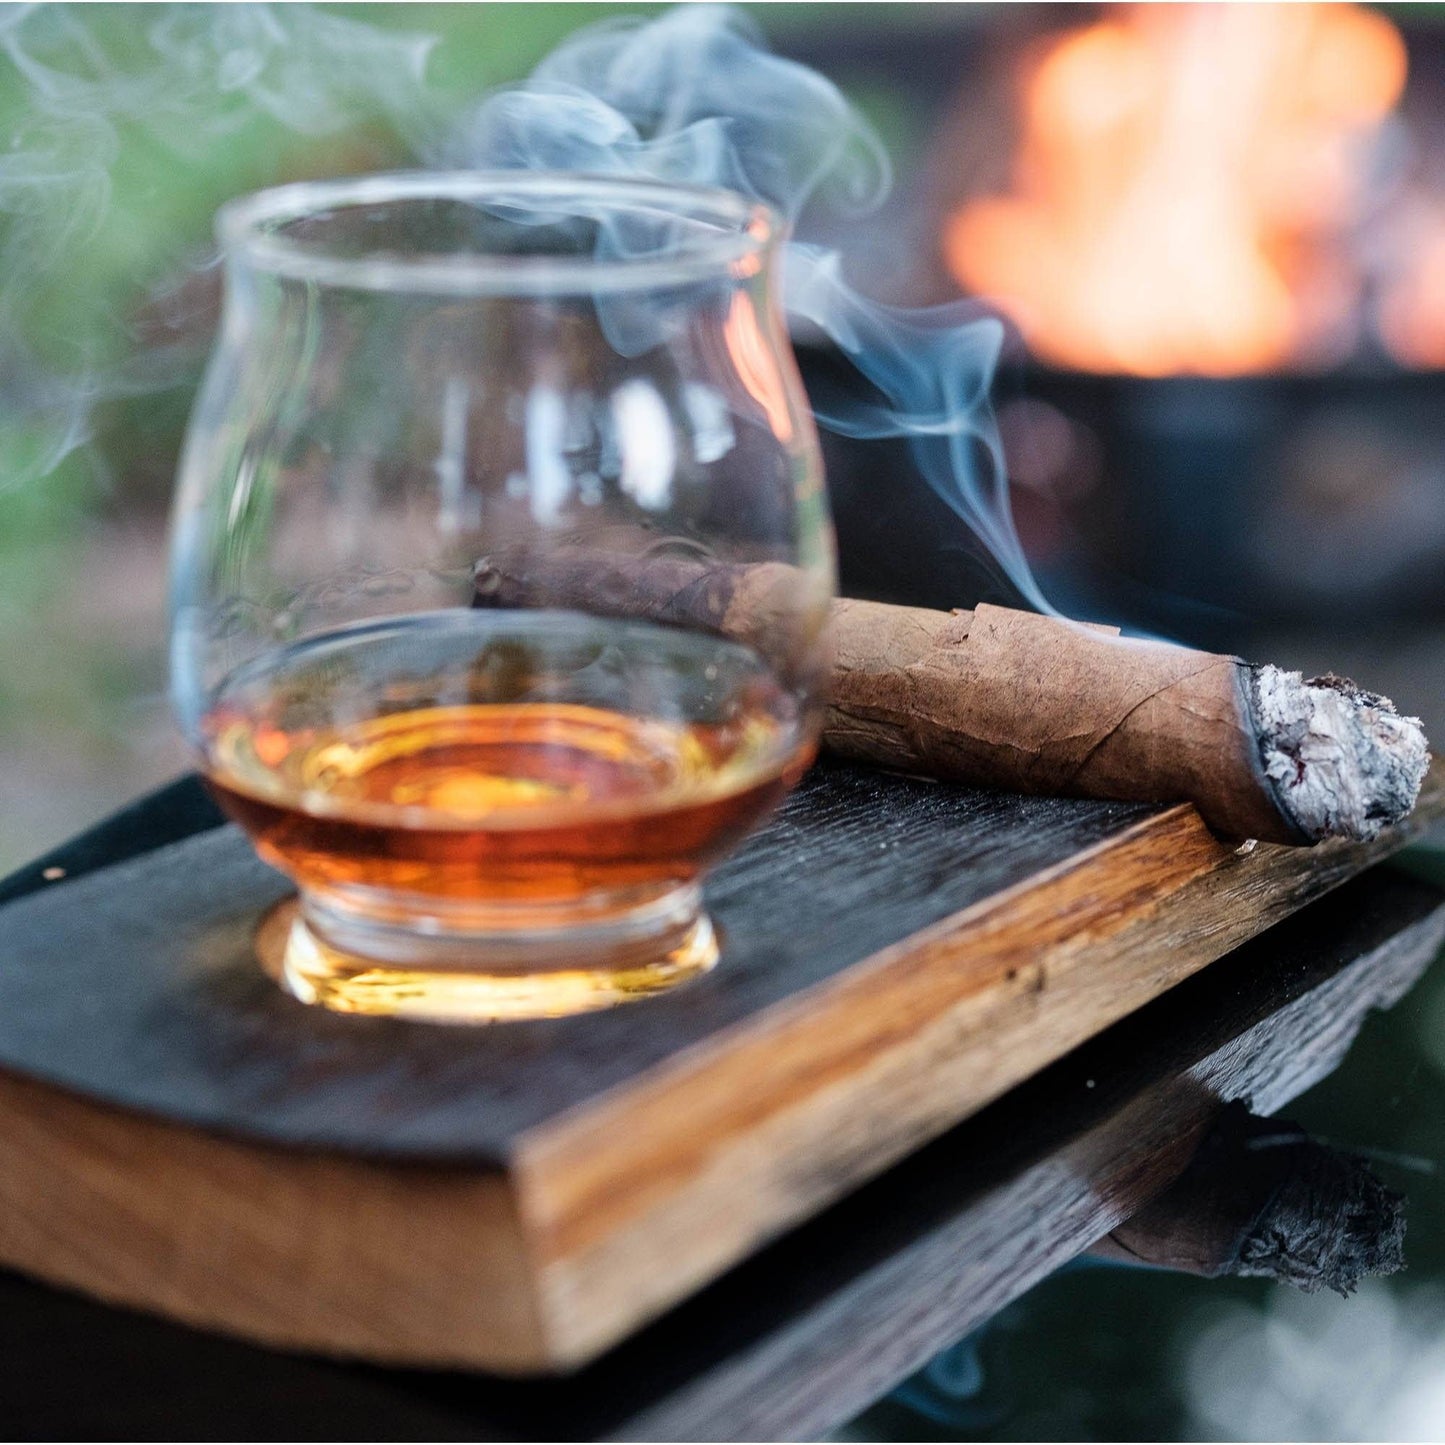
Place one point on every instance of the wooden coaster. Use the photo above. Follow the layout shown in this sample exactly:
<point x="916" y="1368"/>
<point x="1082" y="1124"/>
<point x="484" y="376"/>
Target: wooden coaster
<point x="178" y="1133"/>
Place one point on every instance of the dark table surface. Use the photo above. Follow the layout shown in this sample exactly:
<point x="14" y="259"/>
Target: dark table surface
<point x="1095" y="1351"/>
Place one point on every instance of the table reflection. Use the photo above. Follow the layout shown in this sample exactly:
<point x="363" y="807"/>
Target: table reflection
<point x="1178" y="1325"/>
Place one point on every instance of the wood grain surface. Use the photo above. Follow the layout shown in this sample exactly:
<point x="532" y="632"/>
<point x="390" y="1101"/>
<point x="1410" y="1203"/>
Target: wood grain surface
<point x="947" y="1239"/>
<point x="897" y="954"/>
<point x="825" y="1320"/>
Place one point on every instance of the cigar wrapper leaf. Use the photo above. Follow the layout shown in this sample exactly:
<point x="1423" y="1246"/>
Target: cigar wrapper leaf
<point x="996" y="697"/>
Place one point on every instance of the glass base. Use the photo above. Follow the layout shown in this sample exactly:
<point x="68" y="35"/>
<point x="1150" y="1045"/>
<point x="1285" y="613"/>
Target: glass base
<point x="359" y="965"/>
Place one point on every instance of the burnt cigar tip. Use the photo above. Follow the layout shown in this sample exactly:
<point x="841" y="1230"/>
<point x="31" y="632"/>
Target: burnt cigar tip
<point x="1342" y="762"/>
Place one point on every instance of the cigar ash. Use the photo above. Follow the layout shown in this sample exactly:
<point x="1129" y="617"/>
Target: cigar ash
<point x="1343" y="761"/>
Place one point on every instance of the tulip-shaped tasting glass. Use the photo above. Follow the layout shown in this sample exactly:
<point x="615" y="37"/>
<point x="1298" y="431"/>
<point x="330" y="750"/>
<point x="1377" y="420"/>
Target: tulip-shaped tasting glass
<point x="501" y="563"/>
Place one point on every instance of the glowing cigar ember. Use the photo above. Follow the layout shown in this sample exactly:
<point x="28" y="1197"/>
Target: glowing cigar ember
<point x="1007" y="699"/>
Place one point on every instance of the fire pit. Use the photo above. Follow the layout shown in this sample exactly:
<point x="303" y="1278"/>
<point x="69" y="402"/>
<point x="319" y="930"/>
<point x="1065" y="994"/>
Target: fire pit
<point x="1218" y="235"/>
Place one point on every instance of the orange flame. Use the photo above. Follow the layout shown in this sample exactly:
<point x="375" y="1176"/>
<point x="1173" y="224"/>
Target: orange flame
<point x="1186" y="179"/>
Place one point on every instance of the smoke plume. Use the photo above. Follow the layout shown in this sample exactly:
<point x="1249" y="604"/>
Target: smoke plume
<point x="79" y="84"/>
<point x="692" y="96"/>
<point x="696" y="97"/>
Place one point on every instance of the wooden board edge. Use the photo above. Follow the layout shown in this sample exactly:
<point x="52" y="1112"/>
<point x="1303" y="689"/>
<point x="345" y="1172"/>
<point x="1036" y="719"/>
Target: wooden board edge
<point x="640" y="1198"/>
<point x="412" y="1264"/>
<point x="803" y="1379"/>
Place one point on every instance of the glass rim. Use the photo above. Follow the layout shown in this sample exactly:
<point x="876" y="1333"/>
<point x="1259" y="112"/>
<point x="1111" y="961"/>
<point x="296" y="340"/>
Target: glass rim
<point x="745" y="230"/>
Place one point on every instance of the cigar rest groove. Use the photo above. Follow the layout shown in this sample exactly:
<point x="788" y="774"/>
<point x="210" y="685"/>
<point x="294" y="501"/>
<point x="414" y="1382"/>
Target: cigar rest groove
<point x="177" y="1135"/>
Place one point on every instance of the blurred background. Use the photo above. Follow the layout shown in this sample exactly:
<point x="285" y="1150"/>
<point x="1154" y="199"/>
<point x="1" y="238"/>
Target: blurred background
<point x="1217" y="237"/>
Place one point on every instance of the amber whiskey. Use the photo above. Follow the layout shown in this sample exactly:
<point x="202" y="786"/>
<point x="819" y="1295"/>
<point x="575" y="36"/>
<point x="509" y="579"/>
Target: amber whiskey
<point x="471" y="792"/>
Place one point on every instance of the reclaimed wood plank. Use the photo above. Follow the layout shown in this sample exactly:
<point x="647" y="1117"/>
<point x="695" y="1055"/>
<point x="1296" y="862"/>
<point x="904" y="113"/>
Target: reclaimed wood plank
<point x="898" y="953"/>
<point x="796" y="1340"/>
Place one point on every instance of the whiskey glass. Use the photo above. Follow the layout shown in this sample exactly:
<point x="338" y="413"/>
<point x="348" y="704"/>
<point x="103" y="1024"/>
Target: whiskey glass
<point x="496" y="802"/>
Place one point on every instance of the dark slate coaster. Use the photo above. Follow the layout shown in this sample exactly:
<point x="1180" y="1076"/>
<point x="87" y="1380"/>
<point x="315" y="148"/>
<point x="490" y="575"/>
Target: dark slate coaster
<point x="137" y="984"/>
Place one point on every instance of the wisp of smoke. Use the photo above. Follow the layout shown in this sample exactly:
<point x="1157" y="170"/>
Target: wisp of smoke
<point x="696" y="97"/>
<point x="185" y="77"/>
<point x="934" y="367"/>
<point x="692" y="96"/>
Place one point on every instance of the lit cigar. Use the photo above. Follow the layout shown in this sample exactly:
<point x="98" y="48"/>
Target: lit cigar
<point x="1014" y="700"/>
